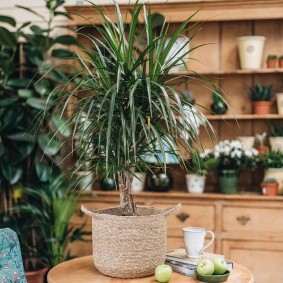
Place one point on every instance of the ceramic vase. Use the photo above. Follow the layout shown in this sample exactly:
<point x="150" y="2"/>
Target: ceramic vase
<point x="228" y="181"/>
<point x="195" y="183"/>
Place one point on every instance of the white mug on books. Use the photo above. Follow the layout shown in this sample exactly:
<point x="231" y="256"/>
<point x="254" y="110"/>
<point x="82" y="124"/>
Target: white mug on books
<point x="194" y="241"/>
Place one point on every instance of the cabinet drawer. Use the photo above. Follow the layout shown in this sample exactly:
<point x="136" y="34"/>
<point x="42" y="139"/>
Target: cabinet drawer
<point x="189" y="215"/>
<point x="255" y="219"/>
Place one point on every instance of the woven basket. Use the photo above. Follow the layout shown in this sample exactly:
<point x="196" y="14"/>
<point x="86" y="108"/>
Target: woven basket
<point x="129" y="246"/>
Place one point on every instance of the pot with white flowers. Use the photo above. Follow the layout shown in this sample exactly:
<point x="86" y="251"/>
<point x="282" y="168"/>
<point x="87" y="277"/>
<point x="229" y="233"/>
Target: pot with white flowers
<point x="201" y="164"/>
<point x="232" y="158"/>
<point x="131" y="104"/>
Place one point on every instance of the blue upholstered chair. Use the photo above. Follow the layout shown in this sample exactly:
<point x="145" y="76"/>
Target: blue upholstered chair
<point x="11" y="263"/>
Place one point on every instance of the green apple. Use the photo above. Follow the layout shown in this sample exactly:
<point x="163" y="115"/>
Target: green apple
<point x="220" y="265"/>
<point x="205" y="267"/>
<point x="163" y="273"/>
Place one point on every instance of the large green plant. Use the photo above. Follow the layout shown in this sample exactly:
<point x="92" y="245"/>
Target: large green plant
<point x="127" y="99"/>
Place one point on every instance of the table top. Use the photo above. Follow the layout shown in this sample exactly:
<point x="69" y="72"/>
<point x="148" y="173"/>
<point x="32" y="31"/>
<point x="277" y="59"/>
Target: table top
<point x="83" y="270"/>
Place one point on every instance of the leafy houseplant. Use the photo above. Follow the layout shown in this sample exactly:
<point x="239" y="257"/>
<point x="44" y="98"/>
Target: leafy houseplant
<point x="218" y="106"/>
<point x="272" y="161"/>
<point x="232" y="158"/>
<point x="130" y="105"/>
<point x="271" y="61"/>
<point x="201" y="164"/>
<point x="261" y="98"/>
<point x="276" y="137"/>
<point x="270" y="187"/>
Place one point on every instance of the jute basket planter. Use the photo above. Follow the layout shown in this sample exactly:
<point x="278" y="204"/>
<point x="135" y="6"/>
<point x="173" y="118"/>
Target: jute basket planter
<point x="129" y="246"/>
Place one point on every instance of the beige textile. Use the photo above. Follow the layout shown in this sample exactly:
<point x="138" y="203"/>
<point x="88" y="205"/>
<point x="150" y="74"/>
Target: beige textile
<point x="82" y="270"/>
<point x="129" y="246"/>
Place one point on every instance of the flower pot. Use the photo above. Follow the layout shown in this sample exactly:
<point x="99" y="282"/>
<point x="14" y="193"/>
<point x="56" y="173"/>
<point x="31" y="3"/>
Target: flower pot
<point x="37" y="276"/>
<point x="195" y="183"/>
<point x="279" y="100"/>
<point x="271" y="64"/>
<point x="107" y="184"/>
<point x="269" y="189"/>
<point x="276" y="143"/>
<point x="247" y="142"/>
<point x="129" y="246"/>
<point x="219" y="108"/>
<point x="228" y="181"/>
<point x="261" y="107"/>
<point x="138" y="182"/>
<point x="86" y="180"/>
<point x="280" y="63"/>
<point x="158" y="181"/>
<point x="277" y="174"/>
<point x="262" y="149"/>
<point x="251" y="51"/>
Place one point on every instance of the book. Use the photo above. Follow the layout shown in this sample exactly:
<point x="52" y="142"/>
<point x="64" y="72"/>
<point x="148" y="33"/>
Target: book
<point x="188" y="270"/>
<point x="180" y="256"/>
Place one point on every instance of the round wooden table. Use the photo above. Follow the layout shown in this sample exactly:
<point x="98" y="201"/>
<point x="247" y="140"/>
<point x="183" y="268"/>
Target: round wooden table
<point x="82" y="270"/>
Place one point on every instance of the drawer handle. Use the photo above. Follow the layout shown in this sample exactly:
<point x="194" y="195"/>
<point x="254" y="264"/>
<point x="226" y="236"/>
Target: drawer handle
<point x="243" y="220"/>
<point x="183" y="216"/>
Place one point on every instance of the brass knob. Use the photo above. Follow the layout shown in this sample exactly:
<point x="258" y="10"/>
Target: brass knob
<point x="243" y="220"/>
<point x="183" y="216"/>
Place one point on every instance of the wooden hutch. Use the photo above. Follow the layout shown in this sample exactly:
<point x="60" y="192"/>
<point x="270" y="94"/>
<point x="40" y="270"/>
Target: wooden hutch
<point x="248" y="227"/>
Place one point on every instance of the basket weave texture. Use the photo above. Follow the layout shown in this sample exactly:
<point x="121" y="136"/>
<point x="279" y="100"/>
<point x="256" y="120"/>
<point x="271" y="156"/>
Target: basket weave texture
<point x="129" y="246"/>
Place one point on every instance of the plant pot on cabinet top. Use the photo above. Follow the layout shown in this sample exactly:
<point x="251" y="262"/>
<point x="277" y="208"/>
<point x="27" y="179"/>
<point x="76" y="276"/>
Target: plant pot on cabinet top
<point x="228" y="181"/>
<point x="195" y="183"/>
<point x="275" y="173"/>
<point x="261" y="107"/>
<point x="269" y="189"/>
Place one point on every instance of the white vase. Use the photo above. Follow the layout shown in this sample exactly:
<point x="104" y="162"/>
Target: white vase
<point x="276" y="173"/>
<point x="138" y="182"/>
<point x="247" y="142"/>
<point x="251" y="51"/>
<point x="195" y="183"/>
<point x="279" y="99"/>
<point x="276" y="143"/>
<point x="86" y="181"/>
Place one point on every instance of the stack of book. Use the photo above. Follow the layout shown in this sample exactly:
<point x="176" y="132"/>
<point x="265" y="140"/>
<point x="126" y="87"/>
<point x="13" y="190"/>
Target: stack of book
<point x="179" y="261"/>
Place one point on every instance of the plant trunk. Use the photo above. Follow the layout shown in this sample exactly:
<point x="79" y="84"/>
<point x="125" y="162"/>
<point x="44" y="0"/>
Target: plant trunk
<point x="127" y="200"/>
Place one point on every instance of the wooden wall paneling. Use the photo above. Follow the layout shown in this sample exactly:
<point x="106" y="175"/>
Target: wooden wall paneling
<point x="236" y="89"/>
<point x="229" y="50"/>
<point x="205" y="58"/>
<point x="273" y="31"/>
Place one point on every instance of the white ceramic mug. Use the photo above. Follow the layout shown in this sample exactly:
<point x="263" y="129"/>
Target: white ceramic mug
<point x="194" y="241"/>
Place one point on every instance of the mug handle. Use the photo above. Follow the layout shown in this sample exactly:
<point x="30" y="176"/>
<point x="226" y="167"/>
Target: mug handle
<point x="210" y="242"/>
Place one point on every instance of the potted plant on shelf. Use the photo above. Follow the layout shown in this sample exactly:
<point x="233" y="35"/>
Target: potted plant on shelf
<point x="281" y="61"/>
<point x="261" y="98"/>
<point x="269" y="187"/>
<point x="276" y="137"/>
<point x="271" y="61"/>
<point x="272" y="161"/>
<point x="259" y="143"/>
<point x="279" y="100"/>
<point x="218" y="106"/>
<point x="232" y="158"/>
<point x="138" y="105"/>
<point x="247" y="142"/>
<point x="201" y="164"/>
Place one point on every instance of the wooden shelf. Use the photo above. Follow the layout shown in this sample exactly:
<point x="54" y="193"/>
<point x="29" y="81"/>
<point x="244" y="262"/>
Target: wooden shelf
<point x="231" y="72"/>
<point x="179" y="11"/>
<point x="245" y="117"/>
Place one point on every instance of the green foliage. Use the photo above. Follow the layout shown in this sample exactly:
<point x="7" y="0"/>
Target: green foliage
<point x="272" y="57"/>
<point x="281" y="57"/>
<point x="260" y="92"/>
<point x="49" y="208"/>
<point x="201" y="165"/>
<point x="272" y="159"/>
<point x="276" y="130"/>
<point x="270" y="181"/>
<point x="130" y="104"/>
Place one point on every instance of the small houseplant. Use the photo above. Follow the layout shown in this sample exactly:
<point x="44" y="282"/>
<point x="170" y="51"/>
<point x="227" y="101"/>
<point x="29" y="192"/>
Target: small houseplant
<point x="276" y="137"/>
<point x="201" y="164"/>
<point x="260" y="143"/>
<point x="269" y="187"/>
<point x="271" y="61"/>
<point x="218" y="106"/>
<point x="261" y="98"/>
<point x="272" y="161"/>
<point x="232" y="158"/>
<point x="131" y="105"/>
<point x="281" y="61"/>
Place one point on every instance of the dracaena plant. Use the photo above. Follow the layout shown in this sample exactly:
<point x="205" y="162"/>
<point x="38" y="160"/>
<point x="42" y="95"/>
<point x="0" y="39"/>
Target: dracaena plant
<point x="128" y="101"/>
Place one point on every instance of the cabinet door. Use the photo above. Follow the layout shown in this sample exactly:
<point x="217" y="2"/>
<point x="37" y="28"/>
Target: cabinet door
<point x="264" y="259"/>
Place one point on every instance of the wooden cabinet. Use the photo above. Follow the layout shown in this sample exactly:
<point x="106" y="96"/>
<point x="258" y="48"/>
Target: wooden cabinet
<point x="248" y="228"/>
